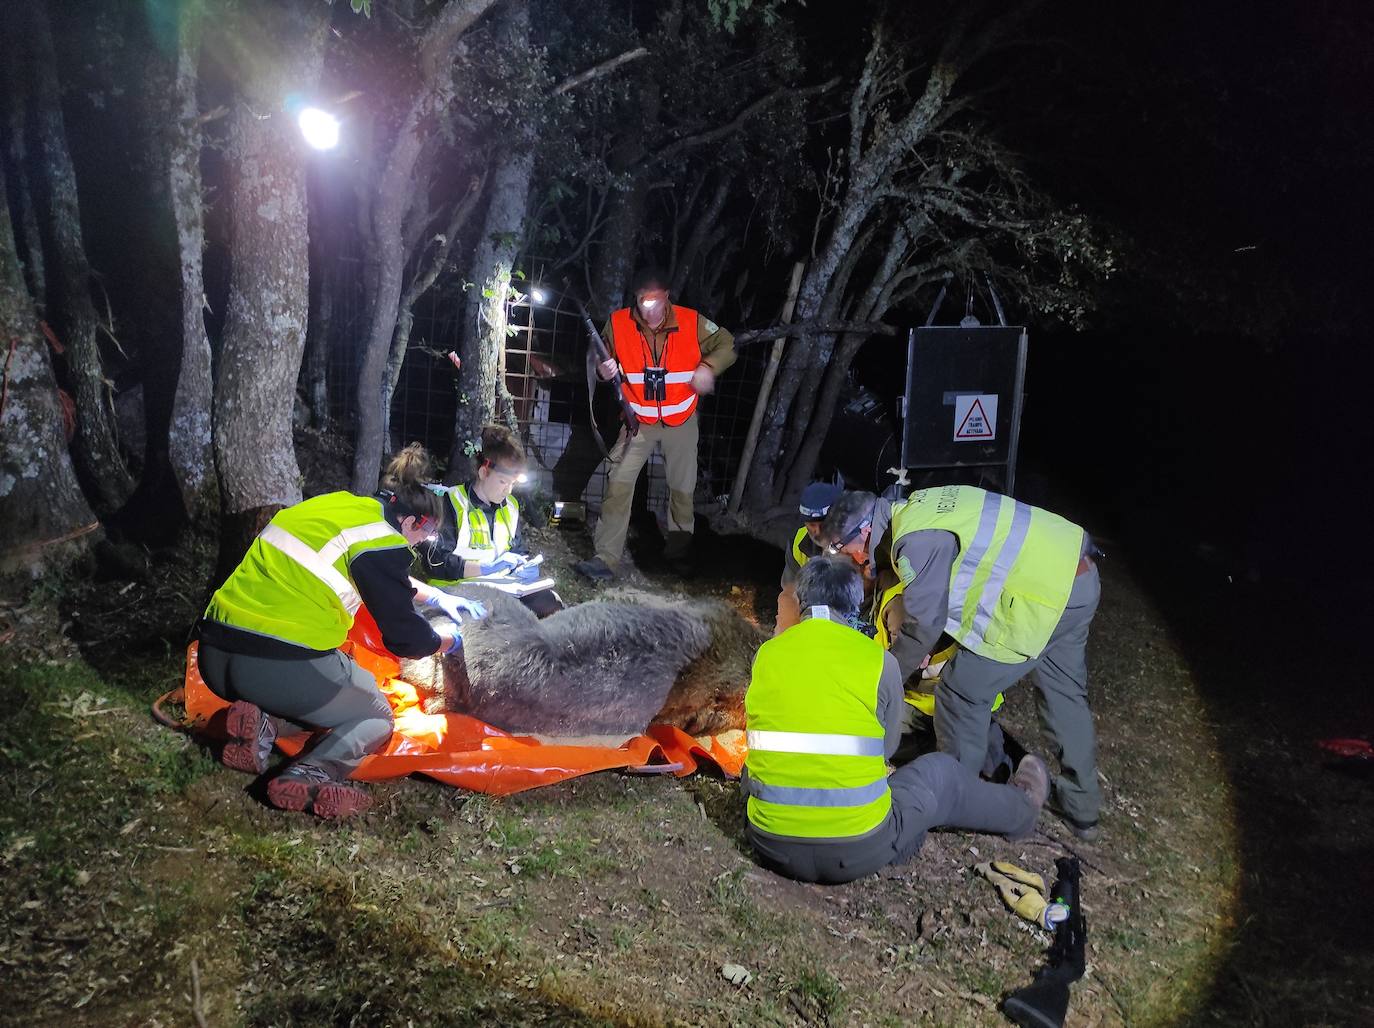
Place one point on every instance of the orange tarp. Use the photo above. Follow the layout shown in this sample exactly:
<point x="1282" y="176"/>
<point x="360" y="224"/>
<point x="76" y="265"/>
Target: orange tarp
<point x="472" y="754"/>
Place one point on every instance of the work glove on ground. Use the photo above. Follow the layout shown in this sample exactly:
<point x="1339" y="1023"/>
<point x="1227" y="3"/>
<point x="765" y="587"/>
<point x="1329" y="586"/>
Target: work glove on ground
<point x="1023" y="892"/>
<point x="455" y="607"/>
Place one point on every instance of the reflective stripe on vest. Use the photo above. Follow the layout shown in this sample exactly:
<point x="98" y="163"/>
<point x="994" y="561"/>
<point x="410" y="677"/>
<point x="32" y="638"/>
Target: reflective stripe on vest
<point x="294" y="582"/>
<point x="315" y="562"/>
<point x="815" y="758"/>
<point x="477" y="538"/>
<point x="815" y="742"/>
<point x="680" y="357"/>
<point x="672" y="377"/>
<point x="1010" y="582"/>
<point x="797" y="796"/>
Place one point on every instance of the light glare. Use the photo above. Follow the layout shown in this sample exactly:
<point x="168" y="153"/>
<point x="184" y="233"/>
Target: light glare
<point x="320" y="128"/>
<point x="539" y="296"/>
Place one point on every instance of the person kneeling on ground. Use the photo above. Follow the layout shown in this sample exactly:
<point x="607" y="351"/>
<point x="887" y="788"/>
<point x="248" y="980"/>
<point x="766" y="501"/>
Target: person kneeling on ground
<point x="269" y="638"/>
<point x="480" y="532"/>
<point x="824" y="713"/>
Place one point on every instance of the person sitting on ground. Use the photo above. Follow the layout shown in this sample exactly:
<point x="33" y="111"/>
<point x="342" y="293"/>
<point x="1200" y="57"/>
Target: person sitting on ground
<point x="270" y="637"/>
<point x="815" y="503"/>
<point x="824" y="714"/>
<point x="1016" y="587"/>
<point x="480" y="534"/>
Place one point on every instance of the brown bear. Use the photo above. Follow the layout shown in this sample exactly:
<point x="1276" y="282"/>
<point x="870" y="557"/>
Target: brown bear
<point x="600" y="671"/>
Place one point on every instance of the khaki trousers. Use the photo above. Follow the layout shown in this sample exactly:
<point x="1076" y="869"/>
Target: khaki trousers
<point x="679" y="445"/>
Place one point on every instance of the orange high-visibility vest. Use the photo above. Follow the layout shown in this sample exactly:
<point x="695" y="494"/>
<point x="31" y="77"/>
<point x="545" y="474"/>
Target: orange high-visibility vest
<point x="680" y="357"/>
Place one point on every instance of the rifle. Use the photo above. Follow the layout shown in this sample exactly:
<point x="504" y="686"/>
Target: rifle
<point x="1045" y="1002"/>
<point x="604" y="354"/>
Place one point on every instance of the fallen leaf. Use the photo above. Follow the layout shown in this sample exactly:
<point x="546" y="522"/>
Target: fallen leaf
<point x="735" y="974"/>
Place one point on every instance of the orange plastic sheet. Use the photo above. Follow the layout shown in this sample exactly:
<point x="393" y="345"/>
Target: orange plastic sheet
<point x="472" y="754"/>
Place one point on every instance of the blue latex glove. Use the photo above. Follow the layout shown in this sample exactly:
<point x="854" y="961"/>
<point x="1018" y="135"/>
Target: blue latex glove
<point x="455" y="607"/>
<point x="455" y="644"/>
<point x="501" y="564"/>
<point x="527" y="574"/>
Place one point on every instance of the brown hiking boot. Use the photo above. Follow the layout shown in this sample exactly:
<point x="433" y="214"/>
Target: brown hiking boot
<point x="251" y="736"/>
<point x="1032" y="778"/>
<point x="311" y="788"/>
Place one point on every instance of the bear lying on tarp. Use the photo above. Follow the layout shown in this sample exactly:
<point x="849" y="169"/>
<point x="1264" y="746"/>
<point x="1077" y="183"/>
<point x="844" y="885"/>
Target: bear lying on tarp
<point x="604" y="670"/>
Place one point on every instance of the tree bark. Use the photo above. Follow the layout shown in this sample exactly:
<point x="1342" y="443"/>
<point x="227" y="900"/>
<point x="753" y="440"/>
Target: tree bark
<point x="392" y="198"/>
<point x="822" y="291"/>
<point x="481" y="379"/>
<point x="190" y="440"/>
<point x="27" y="235"/>
<point x="265" y="319"/>
<point x="47" y="520"/>
<point x="69" y="276"/>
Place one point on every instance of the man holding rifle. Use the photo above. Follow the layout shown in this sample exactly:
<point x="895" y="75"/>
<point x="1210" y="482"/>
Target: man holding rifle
<point x="665" y="357"/>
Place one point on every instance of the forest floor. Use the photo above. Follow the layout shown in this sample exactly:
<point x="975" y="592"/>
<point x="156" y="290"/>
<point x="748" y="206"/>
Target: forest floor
<point x="142" y="883"/>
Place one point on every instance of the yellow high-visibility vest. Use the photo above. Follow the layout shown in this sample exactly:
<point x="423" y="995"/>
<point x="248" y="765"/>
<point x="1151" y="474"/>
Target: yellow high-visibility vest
<point x="294" y="583"/>
<point x="1010" y="581"/>
<point x="815" y="763"/>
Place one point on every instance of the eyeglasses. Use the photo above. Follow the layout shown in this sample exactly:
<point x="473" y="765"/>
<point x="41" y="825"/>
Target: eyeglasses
<point x="425" y="525"/>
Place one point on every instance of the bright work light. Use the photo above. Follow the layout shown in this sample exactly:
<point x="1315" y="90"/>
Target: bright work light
<point x="538" y="295"/>
<point x="320" y="128"/>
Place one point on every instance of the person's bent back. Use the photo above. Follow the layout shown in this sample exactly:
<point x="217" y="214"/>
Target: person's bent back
<point x="824" y="711"/>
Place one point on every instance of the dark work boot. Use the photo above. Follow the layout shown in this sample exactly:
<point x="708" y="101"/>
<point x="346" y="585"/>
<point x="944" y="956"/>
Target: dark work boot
<point x="1088" y="831"/>
<point x="596" y="569"/>
<point x="677" y="552"/>
<point x="312" y="788"/>
<point x="251" y="736"/>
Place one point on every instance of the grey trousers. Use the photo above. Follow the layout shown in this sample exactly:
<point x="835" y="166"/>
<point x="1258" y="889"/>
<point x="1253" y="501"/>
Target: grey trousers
<point x="969" y="684"/>
<point x="932" y="791"/>
<point x="330" y="692"/>
<point x="680" y="469"/>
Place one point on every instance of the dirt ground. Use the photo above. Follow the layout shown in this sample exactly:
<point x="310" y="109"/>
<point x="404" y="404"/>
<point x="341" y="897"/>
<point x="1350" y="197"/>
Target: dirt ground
<point x="144" y="884"/>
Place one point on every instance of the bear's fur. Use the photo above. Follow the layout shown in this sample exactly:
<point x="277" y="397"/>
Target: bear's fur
<point x="607" y="668"/>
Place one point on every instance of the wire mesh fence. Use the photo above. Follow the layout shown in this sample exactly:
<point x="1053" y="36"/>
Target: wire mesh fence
<point x="546" y="375"/>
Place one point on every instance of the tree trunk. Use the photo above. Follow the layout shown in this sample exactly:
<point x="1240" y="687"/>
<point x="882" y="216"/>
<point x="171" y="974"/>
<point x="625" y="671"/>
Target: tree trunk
<point x="803" y="464"/>
<point x="47" y="520"/>
<point x="27" y="235"/>
<point x="265" y="318"/>
<point x="393" y="196"/>
<point x="69" y="277"/>
<point x="481" y="379"/>
<point x="190" y="441"/>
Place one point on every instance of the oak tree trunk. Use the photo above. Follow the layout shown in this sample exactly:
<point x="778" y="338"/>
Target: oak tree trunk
<point x="190" y="439"/>
<point x="265" y="318"/>
<point x="47" y="520"/>
<point x="391" y="200"/>
<point x="69" y="275"/>
<point x="481" y="379"/>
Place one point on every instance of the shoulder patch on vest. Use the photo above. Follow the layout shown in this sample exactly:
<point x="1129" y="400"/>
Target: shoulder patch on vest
<point x="711" y="327"/>
<point x="905" y="571"/>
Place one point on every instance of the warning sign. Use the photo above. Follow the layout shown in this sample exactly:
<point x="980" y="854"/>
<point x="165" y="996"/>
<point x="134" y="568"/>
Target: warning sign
<point x="975" y="417"/>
